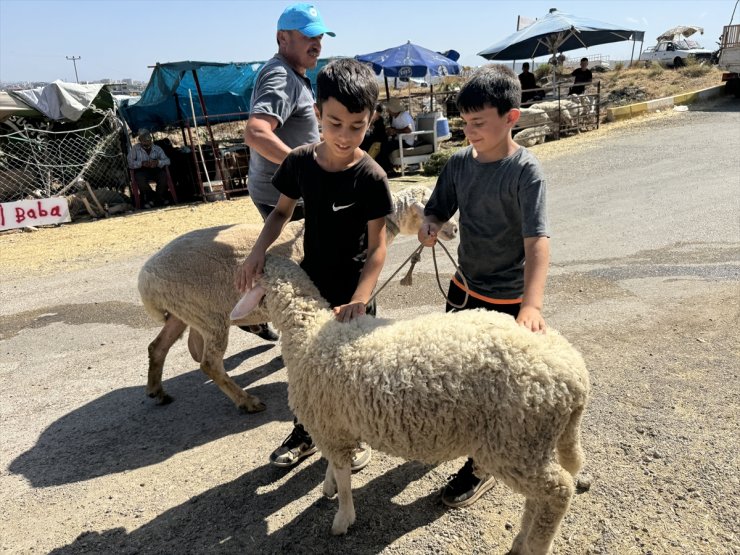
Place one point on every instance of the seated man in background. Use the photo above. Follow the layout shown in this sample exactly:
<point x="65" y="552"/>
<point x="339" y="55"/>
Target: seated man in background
<point x="401" y="122"/>
<point x="148" y="161"/>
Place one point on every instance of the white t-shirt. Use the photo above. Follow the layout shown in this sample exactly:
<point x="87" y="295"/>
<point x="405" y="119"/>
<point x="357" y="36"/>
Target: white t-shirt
<point x="402" y="121"/>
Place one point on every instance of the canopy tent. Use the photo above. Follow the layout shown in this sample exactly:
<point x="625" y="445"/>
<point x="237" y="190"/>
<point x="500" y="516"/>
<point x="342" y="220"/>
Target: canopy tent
<point x="410" y="60"/>
<point x="557" y="32"/>
<point x="224" y="89"/>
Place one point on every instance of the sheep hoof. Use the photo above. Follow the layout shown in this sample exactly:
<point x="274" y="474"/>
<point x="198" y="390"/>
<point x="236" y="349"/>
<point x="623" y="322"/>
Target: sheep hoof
<point x="252" y="406"/>
<point x="342" y="523"/>
<point x="161" y="397"/>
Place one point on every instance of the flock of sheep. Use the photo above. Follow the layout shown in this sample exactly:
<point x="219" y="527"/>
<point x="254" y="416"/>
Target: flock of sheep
<point x="432" y="388"/>
<point x="539" y="120"/>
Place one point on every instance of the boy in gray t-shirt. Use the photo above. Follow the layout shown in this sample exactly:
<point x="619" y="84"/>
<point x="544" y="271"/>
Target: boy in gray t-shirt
<point x="499" y="189"/>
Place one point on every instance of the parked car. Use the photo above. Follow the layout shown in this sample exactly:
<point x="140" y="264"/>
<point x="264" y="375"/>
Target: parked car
<point x="675" y="49"/>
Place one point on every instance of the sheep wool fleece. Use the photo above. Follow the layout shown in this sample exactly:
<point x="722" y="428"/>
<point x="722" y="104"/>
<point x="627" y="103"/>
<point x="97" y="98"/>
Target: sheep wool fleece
<point x="386" y="382"/>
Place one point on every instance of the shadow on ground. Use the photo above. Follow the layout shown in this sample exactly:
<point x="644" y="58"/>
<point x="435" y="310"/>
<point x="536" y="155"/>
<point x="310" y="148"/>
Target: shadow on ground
<point x="233" y="518"/>
<point x="124" y="429"/>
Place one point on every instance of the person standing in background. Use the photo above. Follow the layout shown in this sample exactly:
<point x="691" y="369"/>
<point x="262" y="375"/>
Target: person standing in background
<point x="282" y="113"/>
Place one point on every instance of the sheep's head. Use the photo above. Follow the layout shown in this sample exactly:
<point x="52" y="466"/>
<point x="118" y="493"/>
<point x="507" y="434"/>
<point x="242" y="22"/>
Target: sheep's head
<point x="285" y="278"/>
<point x="408" y="212"/>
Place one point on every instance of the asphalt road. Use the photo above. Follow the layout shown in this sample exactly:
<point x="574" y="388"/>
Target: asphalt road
<point x="651" y="203"/>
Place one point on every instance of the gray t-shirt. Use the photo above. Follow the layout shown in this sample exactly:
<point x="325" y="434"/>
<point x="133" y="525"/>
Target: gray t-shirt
<point x="284" y="94"/>
<point x="500" y="204"/>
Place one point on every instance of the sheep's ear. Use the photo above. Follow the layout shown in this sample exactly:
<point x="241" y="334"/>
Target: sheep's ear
<point x="248" y="303"/>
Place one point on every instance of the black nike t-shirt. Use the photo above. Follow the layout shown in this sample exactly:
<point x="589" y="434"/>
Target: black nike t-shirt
<point x="337" y="207"/>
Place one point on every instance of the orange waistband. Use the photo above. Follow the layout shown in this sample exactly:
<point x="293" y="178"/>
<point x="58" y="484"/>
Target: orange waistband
<point x="483" y="297"/>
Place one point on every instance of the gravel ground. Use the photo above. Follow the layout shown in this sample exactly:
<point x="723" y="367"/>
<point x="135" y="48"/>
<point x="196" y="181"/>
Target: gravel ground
<point x="644" y="281"/>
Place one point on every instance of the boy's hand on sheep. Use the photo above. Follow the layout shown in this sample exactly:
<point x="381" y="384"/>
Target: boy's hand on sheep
<point x="348" y="312"/>
<point x="531" y="318"/>
<point x="250" y="270"/>
<point x="428" y="233"/>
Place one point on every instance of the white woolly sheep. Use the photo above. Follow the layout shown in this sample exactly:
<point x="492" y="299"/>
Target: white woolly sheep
<point x="563" y="113"/>
<point x="530" y="117"/>
<point x="532" y="135"/>
<point x="190" y="282"/>
<point x="432" y="388"/>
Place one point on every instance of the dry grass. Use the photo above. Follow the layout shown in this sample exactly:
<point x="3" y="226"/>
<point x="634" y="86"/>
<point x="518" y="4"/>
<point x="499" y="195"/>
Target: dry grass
<point x="658" y="82"/>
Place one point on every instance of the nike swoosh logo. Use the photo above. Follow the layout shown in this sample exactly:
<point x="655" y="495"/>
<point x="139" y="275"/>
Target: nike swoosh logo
<point x="338" y="208"/>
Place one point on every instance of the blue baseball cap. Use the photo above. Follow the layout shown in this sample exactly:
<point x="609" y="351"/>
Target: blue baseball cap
<point x="304" y="18"/>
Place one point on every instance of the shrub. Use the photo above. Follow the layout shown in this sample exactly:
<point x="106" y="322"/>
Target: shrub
<point x="543" y="70"/>
<point x="694" y="69"/>
<point x="655" y="69"/>
<point x="436" y="161"/>
<point x="619" y="66"/>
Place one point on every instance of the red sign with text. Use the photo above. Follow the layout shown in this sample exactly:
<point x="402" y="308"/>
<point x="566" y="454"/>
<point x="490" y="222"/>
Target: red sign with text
<point x="25" y="213"/>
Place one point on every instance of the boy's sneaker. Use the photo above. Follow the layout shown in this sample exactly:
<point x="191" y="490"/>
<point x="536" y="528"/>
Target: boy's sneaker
<point x="464" y="488"/>
<point x="296" y="447"/>
<point x="265" y="331"/>
<point x="361" y="457"/>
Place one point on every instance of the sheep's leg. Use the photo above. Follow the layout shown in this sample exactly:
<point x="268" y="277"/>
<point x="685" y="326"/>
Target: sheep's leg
<point x="345" y="517"/>
<point x="526" y="523"/>
<point x="548" y="496"/>
<point x="158" y="349"/>
<point x="213" y="367"/>
<point x="570" y="452"/>
<point x="330" y="484"/>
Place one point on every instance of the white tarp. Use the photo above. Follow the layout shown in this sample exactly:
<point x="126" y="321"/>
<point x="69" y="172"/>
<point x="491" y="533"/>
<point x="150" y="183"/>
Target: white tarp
<point x="60" y="100"/>
<point x="681" y="31"/>
<point x="10" y="106"/>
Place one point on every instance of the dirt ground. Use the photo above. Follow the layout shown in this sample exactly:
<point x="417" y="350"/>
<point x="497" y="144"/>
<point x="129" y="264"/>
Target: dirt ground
<point x="89" y="465"/>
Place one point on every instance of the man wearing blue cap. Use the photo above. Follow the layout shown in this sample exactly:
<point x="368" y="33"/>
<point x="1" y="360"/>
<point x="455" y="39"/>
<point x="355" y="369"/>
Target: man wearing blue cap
<point x="282" y="115"/>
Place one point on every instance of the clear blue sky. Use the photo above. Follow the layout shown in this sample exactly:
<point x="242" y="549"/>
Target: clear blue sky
<point x="120" y="39"/>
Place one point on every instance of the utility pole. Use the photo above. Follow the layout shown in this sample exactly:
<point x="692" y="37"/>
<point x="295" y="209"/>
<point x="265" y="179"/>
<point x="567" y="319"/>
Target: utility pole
<point x="74" y="61"/>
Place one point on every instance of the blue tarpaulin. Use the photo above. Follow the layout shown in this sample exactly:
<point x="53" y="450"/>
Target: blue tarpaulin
<point x="226" y="88"/>
<point x="165" y="102"/>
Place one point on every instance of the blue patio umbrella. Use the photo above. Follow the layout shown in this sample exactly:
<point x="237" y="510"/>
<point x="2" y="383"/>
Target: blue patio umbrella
<point x="409" y="60"/>
<point x="557" y="32"/>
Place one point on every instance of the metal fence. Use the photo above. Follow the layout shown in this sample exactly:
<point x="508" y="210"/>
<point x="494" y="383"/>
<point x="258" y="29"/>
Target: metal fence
<point x="38" y="163"/>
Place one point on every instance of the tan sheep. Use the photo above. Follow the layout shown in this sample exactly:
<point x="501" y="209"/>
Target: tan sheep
<point x="190" y="283"/>
<point x="432" y="388"/>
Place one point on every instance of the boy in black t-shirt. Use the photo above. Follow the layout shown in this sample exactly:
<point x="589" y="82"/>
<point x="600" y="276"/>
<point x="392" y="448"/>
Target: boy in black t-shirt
<point x="346" y="198"/>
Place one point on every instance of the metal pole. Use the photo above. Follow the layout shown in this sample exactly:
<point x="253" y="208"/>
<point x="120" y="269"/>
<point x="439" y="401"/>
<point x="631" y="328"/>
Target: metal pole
<point x="74" y="61"/>
<point x="214" y="145"/>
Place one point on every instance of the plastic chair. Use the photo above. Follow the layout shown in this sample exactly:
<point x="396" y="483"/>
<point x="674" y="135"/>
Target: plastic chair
<point x="137" y="194"/>
<point x="421" y="152"/>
